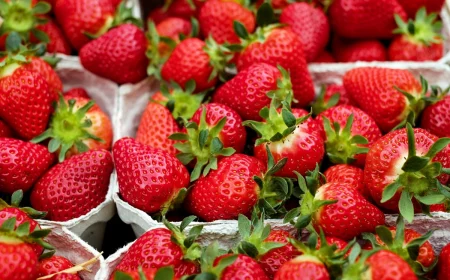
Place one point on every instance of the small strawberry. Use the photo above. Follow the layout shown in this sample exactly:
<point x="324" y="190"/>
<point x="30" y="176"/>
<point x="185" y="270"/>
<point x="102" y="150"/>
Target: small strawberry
<point x="443" y="266"/>
<point x="5" y="130"/>
<point x="77" y="125"/>
<point x="418" y="40"/>
<point x="362" y="19"/>
<point x="310" y="24"/>
<point x="303" y="267"/>
<point x="74" y="187"/>
<point x="37" y="64"/>
<point x="154" y="183"/>
<point x="345" y="50"/>
<point x="56" y="264"/>
<point x="347" y="174"/>
<point x="324" y="57"/>
<point x="173" y="28"/>
<point x="436" y="119"/>
<point x="412" y="6"/>
<point x="76" y="92"/>
<point x="58" y="42"/>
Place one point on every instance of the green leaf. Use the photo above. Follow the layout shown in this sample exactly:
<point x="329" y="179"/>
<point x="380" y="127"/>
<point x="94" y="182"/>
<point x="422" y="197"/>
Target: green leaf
<point x="430" y="199"/>
<point x="244" y="225"/>
<point x="354" y="253"/>
<point x="265" y="15"/>
<point x="8" y="225"/>
<point x="291" y="215"/>
<point x="249" y="249"/>
<point x="164" y="273"/>
<point x="385" y="235"/>
<point x="23" y="229"/>
<point x="16" y="198"/>
<point x="40" y="35"/>
<point x="119" y="275"/>
<point x="13" y="42"/>
<point x="438" y="146"/>
<point x="186" y="221"/>
<point x="288" y="118"/>
<point x="390" y="191"/>
<point x="203" y="137"/>
<point x="415" y="163"/>
<point x="411" y="140"/>
<point x="41" y="8"/>
<point x="406" y="206"/>
<point x="240" y="30"/>
<point x="303" y="221"/>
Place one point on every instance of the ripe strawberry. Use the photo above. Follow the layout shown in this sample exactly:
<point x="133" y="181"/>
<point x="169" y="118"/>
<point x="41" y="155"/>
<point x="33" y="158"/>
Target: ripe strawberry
<point x="56" y="264"/>
<point x="158" y="15"/>
<point x="65" y="276"/>
<point x="153" y="184"/>
<point x="310" y="24"/>
<point x="150" y="274"/>
<point x="347" y="174"/>
<point x="276" y="4"/>
<point x="345" y="50"/>
<point x="418" y="40"/>
<point x="227" y="191"/>
<point x="412" y="6"/>
<point x="58" y="42"/>
<point x="362" y="19"/>
<point x="118" y="55"/>
<point x="216" y="19"/>
<point x="183" y="8"/>
<point x="351" y="144"/>
<point x="374" y="90"/>
<point x="196" y="60"/>
<point x="77" y="125"/>
<point x="19" y="261"/>
<point x="76" y="93"/>
<point x="37" y="64"/>
<point x="5" y="130"/>
<point x="74" y="187"/>
<point x="244" y="266"/>
<point x="22" y="164"/>
<point x="394" y="176"/>
<point x="340" y="244"/>
<point x="279" y="46"/>
<point x="172" y="28"/>
<point x="443" y="266"/>
<point x="77" y="18"/>
<point x="303" y="267"/>
<point x="436" y="119"/>
<point x="324" y="57"/>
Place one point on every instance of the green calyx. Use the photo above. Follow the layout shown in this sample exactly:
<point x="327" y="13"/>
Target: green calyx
<point x="419" y="179"/>
<point x="219" y="58"/>
<point x="341" y="145"/>
<point x="201" y="143"/>
<point x="320" y="105"/>
<point x="22" y="17"/>
<point x="164" y="273"/>
<point x="209" y="255"/>
<point x="16" y="198"/>
<point x="68" y="128"/>
<point x="425" y="29"/>
<point x="284" y="89"/>
<point x="356" y="268"/>
<point x="191" y="249"/>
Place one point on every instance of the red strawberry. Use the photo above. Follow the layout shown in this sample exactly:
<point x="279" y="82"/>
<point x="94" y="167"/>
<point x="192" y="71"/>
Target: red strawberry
<point x="340" y="244"/>
<point x="5" y="130"/>
<point x="65" y="276"/>
<point x="58" y="42"/>
<point x="158" y="15"/>
<point x="436" y="119"/>
<point x="310" y="24"/>
<point x="76" y="93"/>
<point x="183" y="8"/>
<point x="216" y="19"/>
<point x="325" y="57"/>
<point x="358" y="50"/>
<point x="346" y="145"/>
<point x="228" y="191"/>
<point x="54" y="82"/>
<point x="330" y="96"/>
<point x="56" y="264"/>
<point x="75" y="187"/>
<point x="303" y="267"/>
<point x="393" y="174"/>
<point x="412" y="6"/>
<point x="373" y="89"/>
<point x="149" y="273"/>
<point x="347" y="174"/>
<point x="19" y="261"/>
<point x="280" y="46"/>
<point x="118" y="55"/>
<point x="276" y="4"/>
<point x="418" y="40"/>
<point x="444" y="263"/>
<point x="365" y="19"/>
<point x="152" y="184"/>
<point x="244" y="266"/>
<point x="172" y="28"/>
<point x="84" y="16"/>
<point x="22" y="164"/>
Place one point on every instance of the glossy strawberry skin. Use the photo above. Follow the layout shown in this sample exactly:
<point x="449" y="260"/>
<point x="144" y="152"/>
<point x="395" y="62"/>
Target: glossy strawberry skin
<point x="385" y="265"/>
<point x="216" y="18"/>
<point x="436" y="119"/>
<point x="358" y="50"/>
<point x="282" y="47"/>
<point x="173" y="28"/>
<point x="74" y="187"/>
<point x="5" y="130"/>
<point x="350" y="216"/>
<point x="403" y="49"/>
<point x="148" y="177"/>
<point x="247" y="91"/>
<point x="412" y="6"/>
<point x="303" y="267"/>
<point x="275" y="258"/>
<point x="365" y="19"/>
<point x="119" y="55"/>
<point x="156" y="125"/>
<point x="304" y="148"/>
<point x="443" y="266"/>
<point x="58" y="41"/>
<point x="22" y="164"/>
<point x="233" y="133"/>
<point x="19" y="261"/>
<point x="310" y="24"/>
<point x="243" y="267"/>
<point x="348" y="174"/>
<point x="53" y="265"/>
<point x="387" y="156"/>
<point x="344" y="97"/>
<point x="76" y="92"/>
<point x="83" y="16"/>
<point x="54" y="82"/>
<point x="373" y="90"/>
<point x="225" y="193"/>
<point x="25" y="102"/>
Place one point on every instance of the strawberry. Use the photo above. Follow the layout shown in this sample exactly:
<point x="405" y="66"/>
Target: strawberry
<point x="77" y="125"/>
<point x="58" y="42"/>
<point x="56" y="264"/>
<point x="350" y="144"/>
<point x="247" y="92"/>
<point x="418" y="40"/>
<point x="330" y="96"/>
<point x="161" y="247"/>
<point x="363" y="19"/>
<point x="5" y="130"/>
<point x="77" y="18"/>
<point x="443" y="266"/>
<point x="76" y="92"/>
<point x="216" y="19"/>
<point x="436" y="119"/>
<point x="324" y="57"/>
<point x="389" y="96"/>
<point x="244" y="266"/>
<point x="149" y="273"/>
<point x="406" y="164"/>
<point x="340" y="244"/>
<point x="65" y="276"/>
<point x="303" y="267"/>
<point x="183" y="8"/>
<point x="412" y="6"/>
<point x="153" y="184"/>
<point x="118" y="55"/>
<point x="276" y="4"/>
<point x="310" y="24"/>
<point x="37" y="64"/>
<point x="22" y="165"/>
<point x="347" y="174"/>
<point x="173" y="28"/>
<point x="196" y="60"/>
<point x="74" y="187"/>
<point x="345" y="50"/>
<point x="158" y="15"/>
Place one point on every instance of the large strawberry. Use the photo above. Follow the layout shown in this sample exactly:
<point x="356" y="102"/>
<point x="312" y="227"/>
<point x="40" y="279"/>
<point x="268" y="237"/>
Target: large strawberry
<point x="5" y="130"/>
<point x="405" y="166"/>
<point x="74" y="187"/>
<point x="389" y="96"/>
<point x="310" y="24"/>
<point x="57" y="40"/>
<point x="216" y="19"/>
<point x="436" y="119"/>
<point x="37" y="64"/>
<point x="418" y="40"/>
<point x="22" y="165"/>
<point x="154" y="183"/>
<point x="444" y="263"/>
<point x="365" y="19"/>
<point x="346" y="50"/>
<point x="348" y="174"/>
<point x="412" y="6"/>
